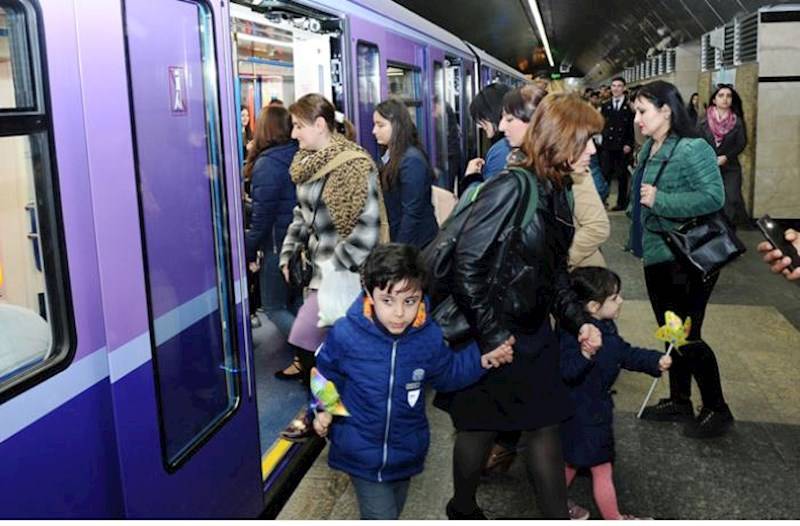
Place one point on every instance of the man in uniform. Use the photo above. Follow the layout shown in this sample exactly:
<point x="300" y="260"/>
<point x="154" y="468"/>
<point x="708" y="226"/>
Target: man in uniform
<point x="617" y="141"/>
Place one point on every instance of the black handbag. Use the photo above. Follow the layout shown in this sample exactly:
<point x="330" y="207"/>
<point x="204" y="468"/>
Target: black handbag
<point x="439" y="257"/>
<point x="705" y="243"/>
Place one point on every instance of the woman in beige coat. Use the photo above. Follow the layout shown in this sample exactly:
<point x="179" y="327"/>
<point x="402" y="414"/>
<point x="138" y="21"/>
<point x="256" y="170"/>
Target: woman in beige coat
<point x="592" y="226"/>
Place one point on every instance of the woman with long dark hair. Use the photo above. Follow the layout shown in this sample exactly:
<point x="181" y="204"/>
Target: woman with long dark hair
<point x="724" y="129"/>
<point x="486" y="110"/>
<point x="406" y="176"/>
<point x="273" y="199"/>
<point x="693" y="108"/>
<point x="511" y="293"/>
<point x="677" y="178"/>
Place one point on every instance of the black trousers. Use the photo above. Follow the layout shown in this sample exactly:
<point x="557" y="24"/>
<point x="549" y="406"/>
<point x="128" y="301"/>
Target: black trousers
<point x="614" y="165"/>
<point x="671" y="286"/>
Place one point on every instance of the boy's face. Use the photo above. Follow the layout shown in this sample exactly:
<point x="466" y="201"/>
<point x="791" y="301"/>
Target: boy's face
<point x="397" y="309"/>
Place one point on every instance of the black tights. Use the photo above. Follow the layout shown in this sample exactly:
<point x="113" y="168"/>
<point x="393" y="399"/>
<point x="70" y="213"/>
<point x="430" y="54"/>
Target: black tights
<point x="544" y="463"/>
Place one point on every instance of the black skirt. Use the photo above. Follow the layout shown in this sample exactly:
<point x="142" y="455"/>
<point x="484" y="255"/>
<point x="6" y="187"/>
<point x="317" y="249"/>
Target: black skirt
<point x="524" y="395"/>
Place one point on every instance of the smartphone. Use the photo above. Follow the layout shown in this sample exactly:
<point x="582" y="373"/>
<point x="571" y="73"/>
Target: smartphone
<point x="774" y="233"/>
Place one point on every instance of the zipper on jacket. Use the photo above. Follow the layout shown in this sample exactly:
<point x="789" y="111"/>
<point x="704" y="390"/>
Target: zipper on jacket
<point x="388" y="414"/>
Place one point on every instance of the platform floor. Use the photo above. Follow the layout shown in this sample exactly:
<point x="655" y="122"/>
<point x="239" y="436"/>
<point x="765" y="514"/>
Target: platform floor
<point x="751" y="473"/>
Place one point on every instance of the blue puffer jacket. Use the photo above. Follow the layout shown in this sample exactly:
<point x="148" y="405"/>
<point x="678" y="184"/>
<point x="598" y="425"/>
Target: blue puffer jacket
<point x="588" y="438"/>
<point x="382" y="382"/>
<point x="408" y="202"/>
<point x="274" y="199"/>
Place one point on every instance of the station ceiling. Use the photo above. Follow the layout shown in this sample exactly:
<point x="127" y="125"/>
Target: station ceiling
<point x="596" y="37"/>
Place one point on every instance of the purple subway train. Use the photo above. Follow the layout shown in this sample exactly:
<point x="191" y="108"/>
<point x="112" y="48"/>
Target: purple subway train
<point x="129" y="382"/>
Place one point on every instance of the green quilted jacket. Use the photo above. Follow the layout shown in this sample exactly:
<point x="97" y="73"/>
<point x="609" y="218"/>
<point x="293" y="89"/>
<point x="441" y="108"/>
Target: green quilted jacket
<point x="690" y="186"/>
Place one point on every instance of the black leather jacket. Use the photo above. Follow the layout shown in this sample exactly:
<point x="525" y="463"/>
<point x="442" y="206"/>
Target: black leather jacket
<point x="532" y="280"/>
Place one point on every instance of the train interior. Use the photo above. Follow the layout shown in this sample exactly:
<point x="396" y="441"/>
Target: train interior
<point x="281" y="54"/>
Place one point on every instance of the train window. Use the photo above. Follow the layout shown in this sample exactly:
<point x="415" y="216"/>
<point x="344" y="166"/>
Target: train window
<point x="440" y="126"/>
<point x="405" y="84"/>
<point x="368" y="70"/>
<point x="469" y="126"/>
<point x="173" y="86"/>
<point x="34" y="316"/>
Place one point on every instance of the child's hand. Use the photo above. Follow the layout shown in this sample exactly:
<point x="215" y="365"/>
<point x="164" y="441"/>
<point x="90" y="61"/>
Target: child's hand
<point x="664" y="362"/>
<point x="499" y="356"/>
<point x="590" y="338"/>
<point x="588" y="355"/>
<point x="322" y="421"/>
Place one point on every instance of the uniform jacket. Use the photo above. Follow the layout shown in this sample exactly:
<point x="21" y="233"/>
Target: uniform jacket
<point x="274" y="197"/>
<point x="408" y="202"/>
<point x="588" y="438"/>
<point x="618" y="130"/>
<point x="592" y="226"/>
<point x="532" y="281"/>
<point x="381" y="379"/>
<point x="690" y="186"/>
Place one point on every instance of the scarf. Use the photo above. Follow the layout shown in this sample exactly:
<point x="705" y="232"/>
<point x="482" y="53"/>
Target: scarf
<point x="719" y="127"/>
<point x="346" y="193"/>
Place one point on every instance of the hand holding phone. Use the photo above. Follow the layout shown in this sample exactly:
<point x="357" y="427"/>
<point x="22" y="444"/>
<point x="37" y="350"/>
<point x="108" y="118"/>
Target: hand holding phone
<point x="776" y="237"/>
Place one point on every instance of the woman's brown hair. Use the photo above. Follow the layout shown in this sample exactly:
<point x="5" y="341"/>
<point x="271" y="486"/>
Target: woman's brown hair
<point x="557" y="135"/>
<point x="273" y="127"/>
<point x="308" y="107"/>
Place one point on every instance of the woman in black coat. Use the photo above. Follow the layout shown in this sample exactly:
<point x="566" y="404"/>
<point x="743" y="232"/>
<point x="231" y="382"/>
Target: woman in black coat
<point x="723" y="128"/>
<point x="531" y="283"/>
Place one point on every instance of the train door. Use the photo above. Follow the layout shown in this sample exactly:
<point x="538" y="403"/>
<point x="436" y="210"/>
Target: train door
<point x="183" y="399"/>
<point x="282" y="52"/>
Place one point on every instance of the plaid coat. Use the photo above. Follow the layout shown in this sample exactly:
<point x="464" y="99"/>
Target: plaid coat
<point x="324" y="241"/>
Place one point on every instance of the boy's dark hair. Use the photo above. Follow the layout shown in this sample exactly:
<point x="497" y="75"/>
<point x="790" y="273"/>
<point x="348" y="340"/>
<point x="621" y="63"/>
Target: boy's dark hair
<point x="391" y="264"/>
<point x="594" y="284"/>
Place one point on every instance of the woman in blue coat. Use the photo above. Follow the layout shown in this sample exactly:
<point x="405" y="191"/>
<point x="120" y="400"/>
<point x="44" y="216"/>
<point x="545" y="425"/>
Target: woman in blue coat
<point x="273" y="195"/>
<point x="406" y="176"/>
<point x="486" y="110"/>
<point x="588" y="438"/>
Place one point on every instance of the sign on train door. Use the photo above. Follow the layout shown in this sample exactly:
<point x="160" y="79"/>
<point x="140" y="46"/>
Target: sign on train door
<point x="185" y="419"/>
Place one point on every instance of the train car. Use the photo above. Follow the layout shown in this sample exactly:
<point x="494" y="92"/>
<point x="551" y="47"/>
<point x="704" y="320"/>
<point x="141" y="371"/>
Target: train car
<point x="130" y="383"/>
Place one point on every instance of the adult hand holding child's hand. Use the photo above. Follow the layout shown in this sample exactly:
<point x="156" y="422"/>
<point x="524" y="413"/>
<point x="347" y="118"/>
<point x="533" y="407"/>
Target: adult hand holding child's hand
<point x="499" y="356"/>
<point x="590" y="339"/>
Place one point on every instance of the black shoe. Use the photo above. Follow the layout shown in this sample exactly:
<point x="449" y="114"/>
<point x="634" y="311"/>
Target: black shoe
<point x="709" y="424"/>
<point x="669" y="410"/>
<point x="298" y="375"/>
<point x="455" y="515"/>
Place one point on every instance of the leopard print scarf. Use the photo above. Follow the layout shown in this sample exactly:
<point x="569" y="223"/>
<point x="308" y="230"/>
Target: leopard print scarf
<point x="346" y="192"/>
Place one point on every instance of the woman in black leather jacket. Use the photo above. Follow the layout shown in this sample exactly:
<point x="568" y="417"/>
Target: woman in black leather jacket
<point x="532" y="283"/>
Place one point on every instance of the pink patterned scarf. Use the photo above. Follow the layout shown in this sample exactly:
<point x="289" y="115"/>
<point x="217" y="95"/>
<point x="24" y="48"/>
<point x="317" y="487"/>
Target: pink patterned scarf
<point x="720" y="127"/>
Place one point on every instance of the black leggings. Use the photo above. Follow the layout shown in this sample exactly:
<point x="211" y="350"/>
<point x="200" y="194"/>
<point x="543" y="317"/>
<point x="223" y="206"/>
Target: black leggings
<point x="671" y="287"/>
<point x="544" y="462"/>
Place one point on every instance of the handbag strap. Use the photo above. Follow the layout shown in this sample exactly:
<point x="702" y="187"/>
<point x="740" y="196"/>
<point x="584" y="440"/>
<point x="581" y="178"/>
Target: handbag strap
<point x="655" y="183"/>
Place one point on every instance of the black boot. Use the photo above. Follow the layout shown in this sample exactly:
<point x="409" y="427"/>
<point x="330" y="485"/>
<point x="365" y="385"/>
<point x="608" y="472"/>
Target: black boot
<point x="454" y="515"/>
<point x="709" y="424"/>
<point x="669" y="410"/>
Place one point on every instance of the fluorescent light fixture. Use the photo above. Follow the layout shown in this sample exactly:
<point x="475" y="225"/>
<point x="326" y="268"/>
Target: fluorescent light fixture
<point x="537" y="17"/>
<point x="263" y="40"/>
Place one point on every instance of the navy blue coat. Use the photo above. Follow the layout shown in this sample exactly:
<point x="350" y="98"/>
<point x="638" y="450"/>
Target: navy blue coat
<point x="382" y="380"/>
<point x="588" y="438"/>
<point x="408" y="202"/>
<point x="274" y="198"/>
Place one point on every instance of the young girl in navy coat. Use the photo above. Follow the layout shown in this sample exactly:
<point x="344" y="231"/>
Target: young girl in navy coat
<point x="380" y="357"/>
<point x="588" y="438"/>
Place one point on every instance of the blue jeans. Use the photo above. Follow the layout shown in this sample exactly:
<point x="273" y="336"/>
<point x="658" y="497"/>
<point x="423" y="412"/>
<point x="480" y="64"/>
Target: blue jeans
<point x="275" y="295"/>
<point x="380" y="500"/>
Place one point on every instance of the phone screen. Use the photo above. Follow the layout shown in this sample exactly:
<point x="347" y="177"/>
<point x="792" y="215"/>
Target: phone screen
<point x="774" y="233"/>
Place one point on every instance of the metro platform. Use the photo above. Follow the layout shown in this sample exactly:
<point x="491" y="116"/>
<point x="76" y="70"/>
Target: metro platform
<point x="752" y="323"/>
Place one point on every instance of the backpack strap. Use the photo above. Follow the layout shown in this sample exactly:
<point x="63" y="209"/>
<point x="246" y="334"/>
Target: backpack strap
<point x="529" y="187"/>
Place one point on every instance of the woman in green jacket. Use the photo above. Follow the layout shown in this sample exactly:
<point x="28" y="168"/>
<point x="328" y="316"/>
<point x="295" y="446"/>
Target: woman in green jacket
<point x="690" y="185"/>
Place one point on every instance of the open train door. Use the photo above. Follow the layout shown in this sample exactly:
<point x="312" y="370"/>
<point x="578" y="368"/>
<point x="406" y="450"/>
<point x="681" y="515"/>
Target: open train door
<point x="183" y="397"/>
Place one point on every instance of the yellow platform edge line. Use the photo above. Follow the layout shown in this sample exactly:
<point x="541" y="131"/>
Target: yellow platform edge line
<point x="273" y="456"/>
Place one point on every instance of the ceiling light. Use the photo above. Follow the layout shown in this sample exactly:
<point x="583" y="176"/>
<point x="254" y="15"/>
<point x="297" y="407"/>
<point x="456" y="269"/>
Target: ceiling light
<point x="537" y="17"/>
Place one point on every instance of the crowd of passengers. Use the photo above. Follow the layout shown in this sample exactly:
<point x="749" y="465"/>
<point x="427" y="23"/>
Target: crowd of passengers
<point x="532" y="350"/>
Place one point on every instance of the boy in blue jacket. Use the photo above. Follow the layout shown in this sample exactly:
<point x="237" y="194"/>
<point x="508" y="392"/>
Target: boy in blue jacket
<point x="587" y="439"/>
<point x="380" y="357"/>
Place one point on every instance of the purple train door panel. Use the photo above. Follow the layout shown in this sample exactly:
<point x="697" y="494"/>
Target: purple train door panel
<point x="387" y="65"/>
<point x="188" y="437"/>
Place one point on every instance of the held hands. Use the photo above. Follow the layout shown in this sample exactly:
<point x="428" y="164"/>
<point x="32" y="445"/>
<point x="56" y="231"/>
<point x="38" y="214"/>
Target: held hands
<point x="499" y="356"/>
<point x="322" y="421"/>
<point x="664" y="363"/>
<point x="776" y="259"/>
<point x="475" y="166"/>
<point x="590" y="339"/>
<point x="647" y="195"/>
